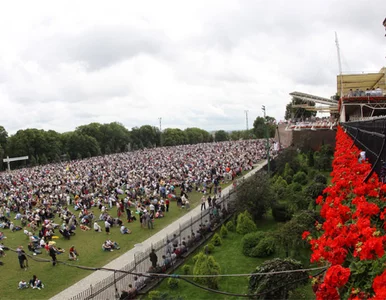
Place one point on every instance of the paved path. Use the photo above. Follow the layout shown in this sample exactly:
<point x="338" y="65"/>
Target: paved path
<point x="128" y="257"/>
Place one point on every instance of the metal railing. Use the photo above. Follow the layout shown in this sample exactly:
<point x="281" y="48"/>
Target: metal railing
<point x="110" y="287"/>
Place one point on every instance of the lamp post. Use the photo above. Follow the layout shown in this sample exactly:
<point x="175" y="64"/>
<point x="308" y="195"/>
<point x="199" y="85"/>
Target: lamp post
<point x="267" y="135"/>
<point x="160" y="131"/>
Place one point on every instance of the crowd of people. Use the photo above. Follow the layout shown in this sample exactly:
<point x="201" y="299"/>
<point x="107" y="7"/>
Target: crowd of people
<point x="131" y="186"/>
<point x="377" y="92"/>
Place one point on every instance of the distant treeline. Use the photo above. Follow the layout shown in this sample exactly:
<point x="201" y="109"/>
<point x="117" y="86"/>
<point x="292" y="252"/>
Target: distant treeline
<point x="95" y="139"/>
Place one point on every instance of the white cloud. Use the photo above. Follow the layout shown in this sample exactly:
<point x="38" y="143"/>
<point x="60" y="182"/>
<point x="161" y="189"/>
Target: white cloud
<point x="193" y="63"/>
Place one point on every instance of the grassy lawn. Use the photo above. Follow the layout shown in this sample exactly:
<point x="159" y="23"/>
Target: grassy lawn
<point x="232" y="261"/>
<point x="88" y="245"/>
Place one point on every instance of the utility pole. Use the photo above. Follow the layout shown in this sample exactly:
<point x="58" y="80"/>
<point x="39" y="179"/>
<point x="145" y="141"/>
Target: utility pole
<point x="267" y="135"/>
<point x="246" y="118"/>
<point x="160" y="131"/>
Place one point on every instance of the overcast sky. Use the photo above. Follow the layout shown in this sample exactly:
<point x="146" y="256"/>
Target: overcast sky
<point x="193" y="63"/>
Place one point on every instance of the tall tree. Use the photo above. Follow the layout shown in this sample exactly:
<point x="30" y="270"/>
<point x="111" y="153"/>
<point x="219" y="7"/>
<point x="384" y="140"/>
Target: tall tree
<point x="221" y="136"/>
<point x="174" y="136"/>
<point x="297" y="112"/>
<point x="260" y="127"/>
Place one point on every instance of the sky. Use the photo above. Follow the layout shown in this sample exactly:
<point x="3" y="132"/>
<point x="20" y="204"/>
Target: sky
<point x="192" y="63"/>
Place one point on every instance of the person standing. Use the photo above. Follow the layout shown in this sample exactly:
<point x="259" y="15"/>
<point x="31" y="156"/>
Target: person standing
<point x="23" y="262"/>
<point x="203" y="201"/>
<point x="107" y="227"/>
<point x="52" y="253"/>
<point x="153" y="258"/>
<point x="167" y="203"/>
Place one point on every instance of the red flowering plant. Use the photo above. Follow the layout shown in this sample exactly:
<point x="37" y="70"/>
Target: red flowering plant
<point x="352" y="239"/>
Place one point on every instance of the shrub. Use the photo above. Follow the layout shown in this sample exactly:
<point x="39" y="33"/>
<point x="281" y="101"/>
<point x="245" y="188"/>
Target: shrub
<point x="295" y="187"/>
<point x="173" y="283"/>
<point x="315" y="189"/>
<point x="206" y="265"/>
<point x="245" y="224"/>
<point x="216" y="240"/>
<point x="223" y="231"/>
<point x="186" y="269"/>
<point x="209" y="248"/>
<point x="155" y="295"/>
<point x="264" y="248"/>
<point x="301" y="178"/>
<point x="320" y="178"/>
<point x="230" y="226"/>
<point x="281" y="212"/>
<point x="250" y="241"/>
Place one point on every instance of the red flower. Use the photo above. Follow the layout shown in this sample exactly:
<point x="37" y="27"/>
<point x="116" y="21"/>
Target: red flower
<point x="305" y="234"/>
<point x="337" y="276"/>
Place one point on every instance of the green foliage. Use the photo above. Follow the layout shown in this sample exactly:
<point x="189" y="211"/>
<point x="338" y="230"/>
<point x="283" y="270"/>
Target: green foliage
<point x="230" y="225"/>
<point x="281" y="212"/>
<point x="301" y="178"/>
<point x="289" y="235"/>
<point x="173" y="283"/>
<point x="295" y="187"/>
<point x="174" y="136"/>
<point x="216" y="240"/>
<point x="277" y="285"/>
<point x="245" y="224"/>
<point x="196" y="135"/>
<point x="186" y="269"/>
<point x="288" y="170"/>
<point x="315" y="189"/>
<point x="223" y="231"/>
<point x="221" y="136"/>
<point x="260" y="127"/>
<point x="256" y="195"/>
<point x="296" y="112"/>
<point x="310" y="158"/>
<point x="206" y="265"/>
<point x="320" y="178"/>
<point x="155" y="295"/>
<point x="250" y="241"/>
<point x="209" y="248"/>
<point x="264" y="248"/>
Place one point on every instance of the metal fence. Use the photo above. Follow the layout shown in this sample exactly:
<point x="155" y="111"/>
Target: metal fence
<point x="109" y="287"/>
<point x="370" y="136"/>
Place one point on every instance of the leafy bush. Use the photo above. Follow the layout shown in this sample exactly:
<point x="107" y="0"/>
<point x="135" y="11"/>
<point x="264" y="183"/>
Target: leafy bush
<point x="209" y="248"/>
<point x="250" y="241"/>
<point x="281" y="212"/>
<point x="206" y="265"/>
<point x="320" y="178"/>
<point x="245" y="224"/>
<point x="230" y="226"/>
<point x="186" y="269"/>
<point x="223" y="231"/>
<point x="296" y="187"/>
<point x="155" y="295"/>
<point x="301" y="178"/>
<point x="173" y="283"/>
<point x="216" y="240"/>
<point x="264" y="248"/>
<point x="315" y="189"/>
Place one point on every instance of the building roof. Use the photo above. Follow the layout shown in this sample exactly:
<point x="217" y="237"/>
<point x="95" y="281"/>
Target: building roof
<point x="361" y="81"/>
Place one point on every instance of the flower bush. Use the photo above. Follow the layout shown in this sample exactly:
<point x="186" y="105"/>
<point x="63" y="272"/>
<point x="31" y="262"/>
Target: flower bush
<point x="352" y="239"/>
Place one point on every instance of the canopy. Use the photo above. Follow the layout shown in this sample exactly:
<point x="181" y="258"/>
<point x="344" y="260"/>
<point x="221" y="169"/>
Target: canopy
<point x="361" y="81"/>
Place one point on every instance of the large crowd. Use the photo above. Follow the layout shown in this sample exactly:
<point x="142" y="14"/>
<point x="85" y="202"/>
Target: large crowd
<point x="135" y="185"/>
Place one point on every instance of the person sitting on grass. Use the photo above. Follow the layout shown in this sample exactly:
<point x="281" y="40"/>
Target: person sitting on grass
<point x="73" y="254"/>
<point x="22" y="285"/>
<point x="107" y="247"/>
<point x="33" y="249"/>
<point x="125" y="230"/>
<point x="2" y="236"/>
<point x="113" y="244"/>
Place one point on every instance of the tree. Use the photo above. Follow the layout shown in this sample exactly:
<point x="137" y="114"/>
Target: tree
<point x="221" y="136"/>
<point x="196" y="135"/>
<point x="174" y="136"/>
<point x="206" y="265"/>
<point x="3" y="138"/>
<point x="277" y="286"/>
<point x="256" y="196"/>
<point x="297" y="112"/>
<point x="260" y="127"/>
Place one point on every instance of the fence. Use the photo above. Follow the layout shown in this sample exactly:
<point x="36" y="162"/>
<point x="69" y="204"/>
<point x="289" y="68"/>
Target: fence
<point x="370" y="136"/>
<point x="112" y="285"/>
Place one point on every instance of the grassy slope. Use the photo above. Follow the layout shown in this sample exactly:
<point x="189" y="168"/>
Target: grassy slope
<point x="88" y="245"/>
<point x="232" y="261"/>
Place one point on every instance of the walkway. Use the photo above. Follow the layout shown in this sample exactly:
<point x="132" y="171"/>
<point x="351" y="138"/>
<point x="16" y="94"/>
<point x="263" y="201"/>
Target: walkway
<point x="124" y="259"/>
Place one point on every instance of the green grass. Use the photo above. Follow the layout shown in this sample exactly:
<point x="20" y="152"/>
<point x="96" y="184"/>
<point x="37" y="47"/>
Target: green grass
<point x="231" y="261"/>
<point x="88" y="245"/>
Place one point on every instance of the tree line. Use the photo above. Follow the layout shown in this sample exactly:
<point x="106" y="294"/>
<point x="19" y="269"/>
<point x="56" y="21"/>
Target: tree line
<point x="94" y="139"/>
